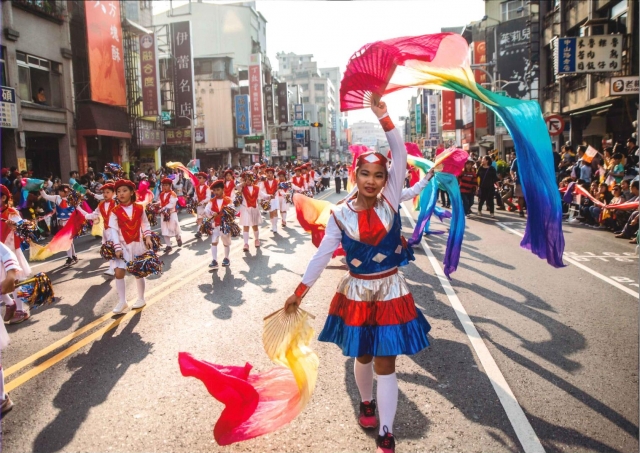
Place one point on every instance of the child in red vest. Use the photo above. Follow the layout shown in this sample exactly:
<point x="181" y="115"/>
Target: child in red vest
<point x="249" y="212"/>
<point x="270" y="188"/>
<point x="169" y="228"/>
<point x="130" y="233"/>
<point x="229" y="183"/>
<point x="214" y="209"/>
<point x="203" y="196"/>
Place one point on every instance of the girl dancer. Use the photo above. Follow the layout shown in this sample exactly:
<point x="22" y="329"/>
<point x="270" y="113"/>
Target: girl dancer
<point x="229" y="183"/>
<point x="213" y="209"/>
<point x="372" y="316"/>
<point x="63" y="212"/>
<point x="298" y="181"/>
<point x="130" y="233"/>
<point x="9" y="271"/>
<point x="16" y="312"/>
<point x="105" y="207"/>
<point x="203" y="195"/>
<point x="169" y="228"/>
<point x="270" y="188"/>
<point x="282" y="194"/>
<point x="249" y="212"/>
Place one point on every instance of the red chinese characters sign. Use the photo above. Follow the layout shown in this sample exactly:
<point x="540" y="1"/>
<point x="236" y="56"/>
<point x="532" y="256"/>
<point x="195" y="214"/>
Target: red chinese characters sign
<point x="106" y="58"/>
<point x="183" y="72"/>
<point x="255" y="93"/>
<point x="480" y="57"/>
<point x="148" y="68"/>
<point x="448" y="110"/>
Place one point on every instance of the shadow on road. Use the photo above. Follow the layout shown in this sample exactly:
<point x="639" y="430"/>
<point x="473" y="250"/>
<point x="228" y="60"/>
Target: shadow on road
<point x="97" y="372"/>
<point x="225" y="292"/>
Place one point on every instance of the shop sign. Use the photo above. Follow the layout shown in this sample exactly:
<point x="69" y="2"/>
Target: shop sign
<point x="243" y="116"/>
<point x="448" y="110"/>
<point x="434" y="116"/>
<point x="283" y="102"/>
<point x="255" y="92"/>
<point x="182" y="136"/>
<point x="623" y="85"/>
<point x="183" y="72"/>
<point x="149" y="137"/>
<point x="8" y="110"/>
<point x="149" y="70"/>
<point x="577" y="55"/>
<point x="269" y="103"/>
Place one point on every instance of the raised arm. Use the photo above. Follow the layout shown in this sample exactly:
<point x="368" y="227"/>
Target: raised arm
<point x="408" y="194"/>
<point x="52" y="198"/>
<point x="393" y="189"/>
<point x="88" y="216"/>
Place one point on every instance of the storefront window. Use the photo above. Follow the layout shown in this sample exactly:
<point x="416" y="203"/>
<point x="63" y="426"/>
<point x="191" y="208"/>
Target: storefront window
<point x="39" y="80"/>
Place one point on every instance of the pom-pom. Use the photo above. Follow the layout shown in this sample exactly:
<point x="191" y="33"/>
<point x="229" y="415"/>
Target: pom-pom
<point x="144" y="265"/>
<point x="74" y="198"/>
<point x="155" y="241"/>
<point x="284" y="186"/>
<point x="207" y="226"/>
<point x="166" y="215"/>
<point x="36" y="291"/>
<point x="152" y="210"/>
<point x="308" y="193"/>
<point x="265" y="204"/>
<point x="108" y="251"/>
<point x="27" y="231"/>
<point x="115" y="170"/>
<point x="237" y="201"/>
<point x="228" y="223"/>
<point x="192" y="205"/>
<point x="288" y="198"/>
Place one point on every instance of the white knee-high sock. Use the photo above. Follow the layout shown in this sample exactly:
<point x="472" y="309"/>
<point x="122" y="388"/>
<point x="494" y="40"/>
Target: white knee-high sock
<point x="256" y="233"/>
<point x="214" y="251"/>
<point x="112" y="265"/>
<point x="363" y="372"/>
<point x="245" y="236"/>
<point x="227" y="250"/>
<point x="73" y="249"/>
<point x="18" y="300"/>
<point x="70" y="252"/>
<point x="387" y="401"/>
<point x="283" y="214"/>
<point x="141" y="285"/>
<point x="167" y="240"/>
<point x="7" y="300"/>
<point x="122" y="293"/>
<point x="274" y="224"/>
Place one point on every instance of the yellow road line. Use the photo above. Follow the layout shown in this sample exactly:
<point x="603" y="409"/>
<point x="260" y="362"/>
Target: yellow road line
<point x="76" y="346"/>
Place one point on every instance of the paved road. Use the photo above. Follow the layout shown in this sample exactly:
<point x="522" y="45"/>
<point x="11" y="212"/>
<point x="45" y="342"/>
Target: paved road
<point x="556" y="359"/>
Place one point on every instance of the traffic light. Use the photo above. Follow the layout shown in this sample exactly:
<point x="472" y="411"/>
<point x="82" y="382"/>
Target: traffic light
<point x="316" y="124"/>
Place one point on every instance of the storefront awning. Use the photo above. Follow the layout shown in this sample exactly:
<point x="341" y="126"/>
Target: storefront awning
<point x="106" y="119"/>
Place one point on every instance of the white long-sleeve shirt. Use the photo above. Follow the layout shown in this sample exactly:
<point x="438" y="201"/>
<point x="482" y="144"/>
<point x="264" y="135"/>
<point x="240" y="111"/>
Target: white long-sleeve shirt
<point x="57" y="199"/>
<point x="113" y="224"/>
<point x="408" y="194"/>
<point x="9" y="259"/>
<point x="392" y="192"/>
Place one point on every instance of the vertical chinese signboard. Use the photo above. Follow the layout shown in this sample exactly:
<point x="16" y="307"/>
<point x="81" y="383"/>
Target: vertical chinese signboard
<point x="255" y="92"/>
<point x="480" y="58"/>
<point x="434" y="117"/>
<point x="106" y="58"/>
<point x="183" y="72"/>
<point x="8" y="111"/>
<point x="448" y="110"/>
<point x="517" y="61"/>
<point x="149" y="70"/>
<point x="243" y="117"/>
<point x="418" y="119"/>
<point x="269" y="103"/>
<point x="283" y="102"/>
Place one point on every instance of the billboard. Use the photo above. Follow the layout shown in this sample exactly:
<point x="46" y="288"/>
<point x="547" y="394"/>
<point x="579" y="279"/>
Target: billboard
<point x="255" y="92"/>
<point x="434" y="116"/>
<point x="578" y="55"/>
<point x="149" y="70"/>
<point x="283" y="102"/>
<point x="104" y="49"/>
<point x="243" y="116"/>
<point x="183" y="72"/>
<point x="269" y="103"/>
<point x="516" y="62"/>
<point x="448" y="110"/>
<point x="480" y="57"/>
<point x="8" y="111"/>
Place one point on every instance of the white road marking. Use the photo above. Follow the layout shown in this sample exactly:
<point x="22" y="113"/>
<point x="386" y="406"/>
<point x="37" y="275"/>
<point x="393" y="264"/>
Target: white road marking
<point x="570" y="260"/>
<point x="523" y="429"/>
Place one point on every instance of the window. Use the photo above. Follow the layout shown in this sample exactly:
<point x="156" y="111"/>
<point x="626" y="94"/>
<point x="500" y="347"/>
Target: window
<point x="320" y="99"/>
<point x="304" y="86"/>
<point x="514" y="9"/>
<point x="305" y="99"/>
<point x="36" y="74"/>
<point x="131" y="9"/>
<point x="3" y="68"/>
<point x="619" y="17"/>
<point x="318" y="86"/>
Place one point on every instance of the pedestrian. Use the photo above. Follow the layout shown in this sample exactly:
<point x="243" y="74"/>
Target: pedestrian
<point x="131" y="236"/>
<point x="337" y="178"/>
<point x="345" y="177"/>
<point x="16" y="312"/>
<point x="468" y="181"/>
<point x="390" y="324"/>
<point x="63" y="212"/>
<point x="269" y="189"/>
<point x="9" y="272"/>
<point x="249" y="213"/>
<point x="487" y="177"/>
<point x="104" y="210"/>
<point x="213" y="210"/>
<point x="517" y="187"/>
<point x="203" y="196"/>
<point x="169" y="225"/>
<point x="282" y="194"/>
<point x="73" y="177"/>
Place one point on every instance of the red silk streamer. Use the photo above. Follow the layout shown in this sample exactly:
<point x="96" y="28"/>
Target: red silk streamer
<point x="313" y="216"/>
<point x="626" y="206"/>
<point x="62" y="241"/>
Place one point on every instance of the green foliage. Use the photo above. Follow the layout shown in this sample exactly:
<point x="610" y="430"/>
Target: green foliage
<point x="503" y="168"/>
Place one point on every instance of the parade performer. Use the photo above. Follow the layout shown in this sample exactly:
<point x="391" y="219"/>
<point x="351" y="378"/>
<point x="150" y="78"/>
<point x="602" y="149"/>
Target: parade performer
<point x="283" y="191"/>
<point x="144" y="196"/>
<point x="249" y="212"/>
<point x="214" y="209"/>
<point x="310" y="184"/>
<point x="105" y="207"/>
<point x="16" y="311"/>
<point x="9" y="272"/>
<point x="63" y="213"/>
<point x="169" y="227"/>
<point x="270" y="188"/>
<point x="229" y="183"/>
<point x="203" y="196"/>
<point x="372" y="316"/>
<point x="298" y="181"/>
<point x="130" y="233"/>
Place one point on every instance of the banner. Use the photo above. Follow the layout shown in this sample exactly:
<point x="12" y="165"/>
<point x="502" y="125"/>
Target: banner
<point x="104" y="49"/>
<point x="283" y="102"/>
<point x="182" y="136"/>
<point x="448" y="110"/>
<point x="8" y="111"/>
<point x="149" y="70"/>
<point x="434" y="116"/>
<point x="183" y="72"/>
<point x="418" y="119"/>
<point x="514" y="59"/>
<point x="269" y="104"/>
<point x="577" y="55"/>
<point x="480" y="57"/>
<point x="255" y="92"/>
<point x="243" y="116"/>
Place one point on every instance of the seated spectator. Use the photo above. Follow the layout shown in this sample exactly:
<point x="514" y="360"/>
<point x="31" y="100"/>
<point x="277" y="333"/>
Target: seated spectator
<point x="603" y="196"/>
<point x="608" y="216"/>
<point x="626" y="189"/>
<point x="632" y="156"/>
<point x="40" y="97"/>
<point x="617" y="171"/>
<point x="623" y="217"/>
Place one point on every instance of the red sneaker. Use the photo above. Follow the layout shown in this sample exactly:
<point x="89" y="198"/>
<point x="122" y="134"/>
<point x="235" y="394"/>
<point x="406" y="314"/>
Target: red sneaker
<point x="386" y="443"/>
<point x="367" y="417"/>
<point x="9" y="312"/>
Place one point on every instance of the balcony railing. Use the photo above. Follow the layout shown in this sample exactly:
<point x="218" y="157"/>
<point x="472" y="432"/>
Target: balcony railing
<point x="49" y="9"/>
